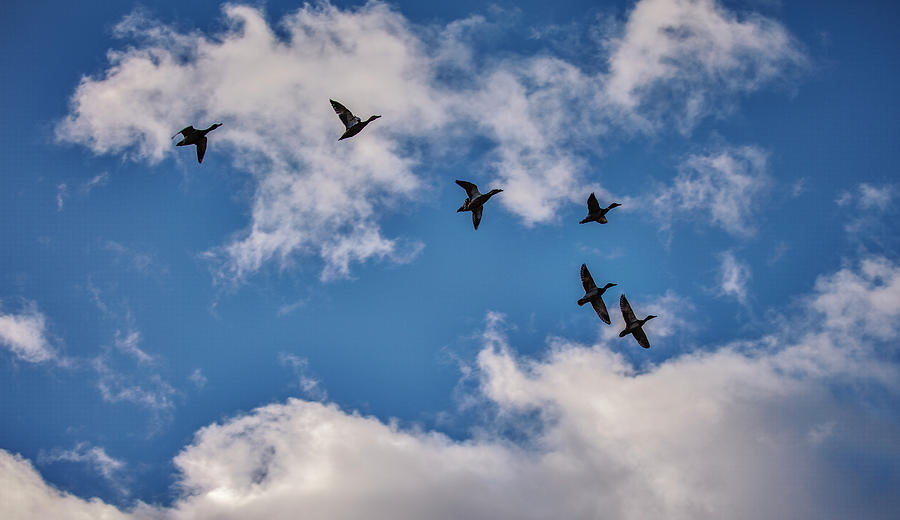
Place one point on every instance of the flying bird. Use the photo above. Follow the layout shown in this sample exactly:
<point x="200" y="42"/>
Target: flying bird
<point x="595" y="212"/>
<point x="633" y="325"/>
<point x="594" y="294"/>
<point x="475" y="200"/>
<point x="354" y="124"/>
<point x="197" y="137"/>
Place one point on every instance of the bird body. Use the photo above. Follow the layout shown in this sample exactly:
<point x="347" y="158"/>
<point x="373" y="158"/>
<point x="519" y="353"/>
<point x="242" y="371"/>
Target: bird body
<point x="196" y="137"/>
<point x="475" y="200"/>
<point x="595" y="212"/>
<point x="594" y="294"/>
<point x="633" y="325"/>
<point x="352" y="123"/>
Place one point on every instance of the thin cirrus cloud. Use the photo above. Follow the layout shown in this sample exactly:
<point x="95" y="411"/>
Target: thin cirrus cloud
<point x="314" y="196"/>
<point x="83" y="452"/>
<point x="753" y="428"/>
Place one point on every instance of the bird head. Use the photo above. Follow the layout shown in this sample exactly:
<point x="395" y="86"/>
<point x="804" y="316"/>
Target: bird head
<point x="650" y="317"/>
<point x="607" y="286"/>
<point x="372" y="118"/>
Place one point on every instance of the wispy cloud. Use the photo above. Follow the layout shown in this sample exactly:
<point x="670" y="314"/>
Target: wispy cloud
<point x="309" y="384"/>
<point x="98" y="180"/>
<point x="94" y="456"/>
<point x="870" y="214"/>
<point x="115" y="386"/>
<point x="723" y="187"/>
<point x="198" y="378"/>
<point x="128" y="342"/>
<point x="61" y="193"/>
<point x="734" y="276"/>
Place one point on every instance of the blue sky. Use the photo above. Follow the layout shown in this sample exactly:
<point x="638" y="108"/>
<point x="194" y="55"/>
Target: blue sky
<point x="301" y="324"/>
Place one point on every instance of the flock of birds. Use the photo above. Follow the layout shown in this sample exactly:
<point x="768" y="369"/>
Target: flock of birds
<point x="474" y="202"/>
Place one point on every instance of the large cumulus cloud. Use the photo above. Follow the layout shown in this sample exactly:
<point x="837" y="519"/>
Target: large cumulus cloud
<point x="758" y="428"/>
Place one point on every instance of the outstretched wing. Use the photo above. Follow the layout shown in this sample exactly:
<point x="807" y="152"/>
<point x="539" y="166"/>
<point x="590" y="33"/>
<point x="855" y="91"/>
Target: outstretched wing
<point x="185" y="131"/>
<point x="471" y="189"/>
<point x="201" y="149"/>
<point x="600" y="309"/>
<point x="627" y="313"/>
<point x="593" y="205"/>
<point x="586" y="281"/>
<point x="345" y="115"/>
<point x="641" y="338"/>
<point x="476" y="216"/>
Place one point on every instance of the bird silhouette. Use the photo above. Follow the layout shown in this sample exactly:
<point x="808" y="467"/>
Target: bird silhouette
<point x="196" y="137"/>
<point x="633" y="325"/>
<point x="595" y="212"/>
<point x="475" y="200"/>
<point x="353" y="124"/>
<point x="594" y="294"/>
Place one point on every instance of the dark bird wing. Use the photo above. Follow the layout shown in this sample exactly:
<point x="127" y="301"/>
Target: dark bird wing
<point x="586" y="281"/>
<point x="201" y="149"/>
<point x="641" y="338"/>
<point x="627" y="313"/>
<point x="471" y="189"/>
<point x="345" y="115"/>
<point x="593" y="205"/>
<point x="600" y="309"/>
<point x="186" y="131"/>
<point x="476" y="216"/>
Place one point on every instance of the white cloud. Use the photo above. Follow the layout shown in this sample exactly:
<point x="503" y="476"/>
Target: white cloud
<point x="98" y="180"/>
<point x="733" y="276"/>
<point x="61" y="194"/>
<point x="25" y="334"/>
<point x="95" y="456"/>
<point x="151" y="391"/>
<point x="27" y="496"/>
<point x="725" y="187"/>
<point x="687" y="58"/>
<point x="863" y="302"/>
<point x="876" y="197"/>
<point x="868" y="197"/>
<point x="752" y="429"/>
<point x="309" y="385"/>
<point x="314" y="196"/>
<point x="198" y="378"/>
<point x="869" y="212"/>
<point x="129" y="342"/>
